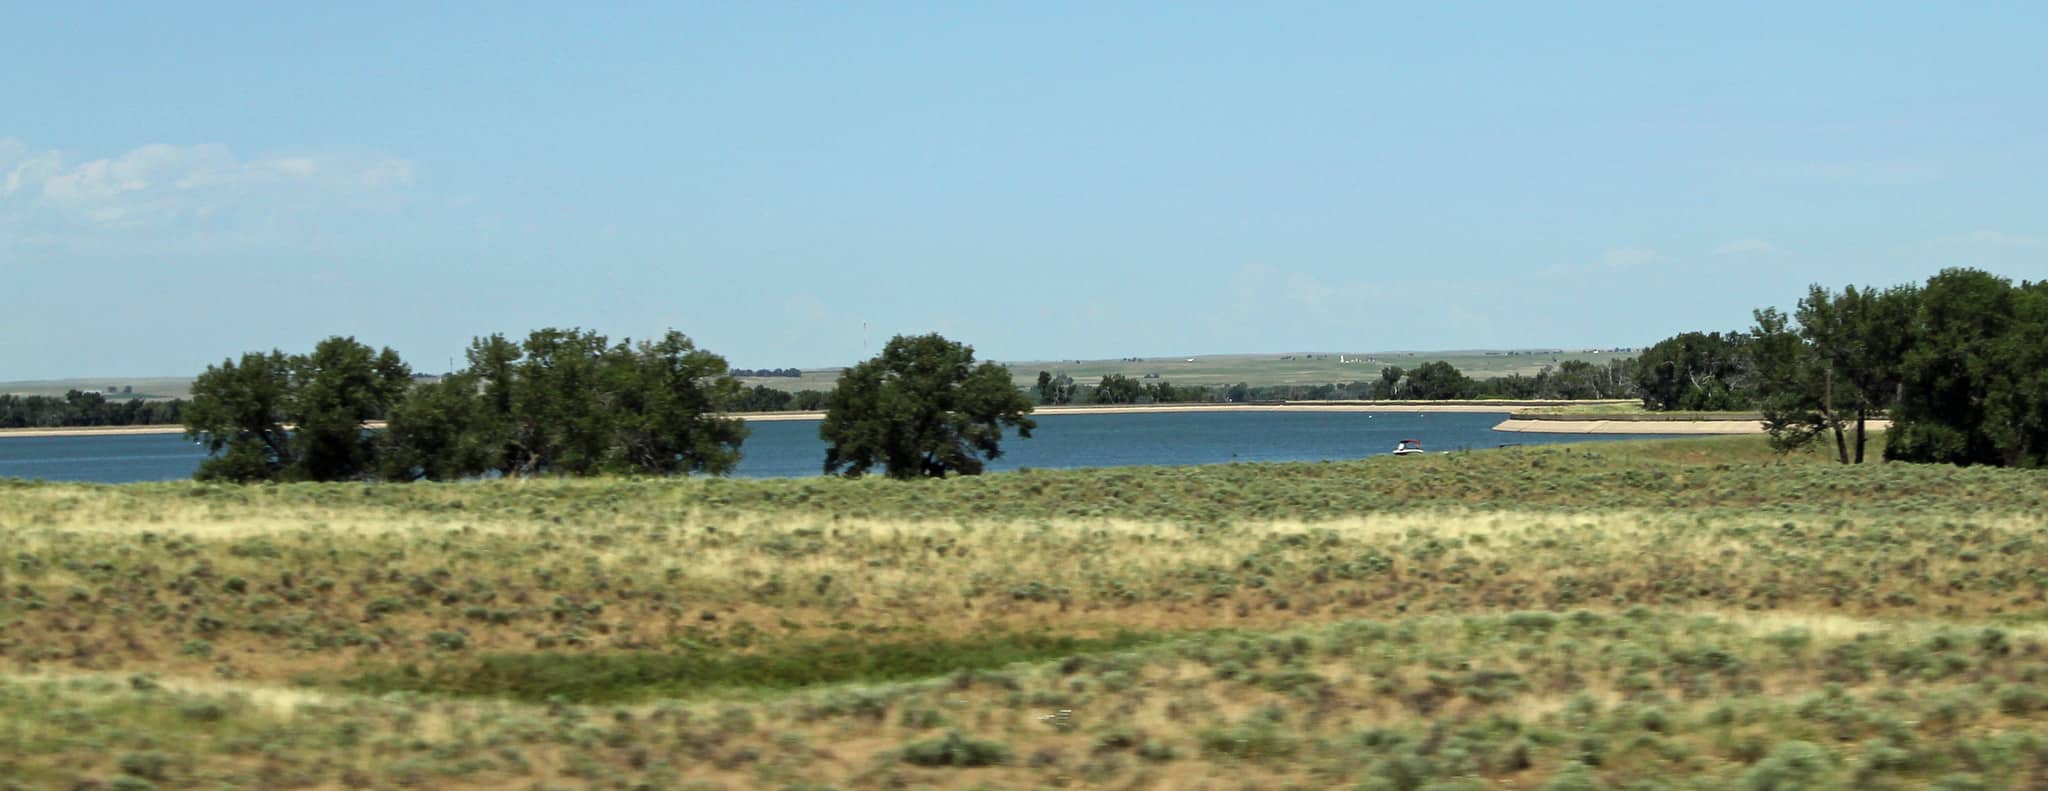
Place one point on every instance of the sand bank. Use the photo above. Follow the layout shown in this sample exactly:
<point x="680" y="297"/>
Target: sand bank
<point x="1678" y="427"/>
<point x="1385" y="407"/>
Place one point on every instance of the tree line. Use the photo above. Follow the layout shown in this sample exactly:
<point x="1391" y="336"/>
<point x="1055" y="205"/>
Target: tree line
<point x="1430" y="381"/>
<point x="1959" y="365"/>
<point x="78" y="408"/>
<point x="573" y="403"/>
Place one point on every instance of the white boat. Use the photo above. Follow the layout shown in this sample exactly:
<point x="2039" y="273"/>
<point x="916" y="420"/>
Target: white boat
<point x="1409" y="447"/>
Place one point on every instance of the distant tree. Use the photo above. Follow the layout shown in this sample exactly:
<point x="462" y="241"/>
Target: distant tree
<point x="809" y="400"/>
<point x="922" y="408"/>
<point x="1118" y="389"/>
<point x="761" y="398"/>
<point x="1045" y="387"/>
<point x="1238" y="393"/>
<point x="1438" y="381"/>
<point x="1389" y="385"/>
<point x="1697" y="371"/>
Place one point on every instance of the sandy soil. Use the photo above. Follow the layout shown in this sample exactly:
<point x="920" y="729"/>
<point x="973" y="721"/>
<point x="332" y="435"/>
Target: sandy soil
<point x="1388" y="407"/>
<point x="1403" y="407"/>
<point x="95" y="431"/>
<point x="1648" y="426"/>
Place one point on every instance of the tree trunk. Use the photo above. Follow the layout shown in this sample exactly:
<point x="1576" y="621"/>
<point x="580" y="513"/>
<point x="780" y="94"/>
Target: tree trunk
<point x="1862" y="416"/>
<point x="1827" y="412"/>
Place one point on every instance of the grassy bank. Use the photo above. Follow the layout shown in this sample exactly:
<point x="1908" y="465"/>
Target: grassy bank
<point x="1698" y="613"/>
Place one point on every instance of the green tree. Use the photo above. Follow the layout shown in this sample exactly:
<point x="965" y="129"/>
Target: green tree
<point x="1118" y="389"/>
<point x="241" y="412"/>
<point x="921" y="408"/>
<point x="664" y="396"/>
<point x="1960" y="402"/>
<point x="566" y="403"/>
<point x="1795" y="411"/>
<point x="238" y="411"/>
<point x="1439" y="381"/>
<point x="340" y="388"/>
<point x="441" y="431"/>
<point x="1389" y="385"/>
<point x="1697" y="371"/>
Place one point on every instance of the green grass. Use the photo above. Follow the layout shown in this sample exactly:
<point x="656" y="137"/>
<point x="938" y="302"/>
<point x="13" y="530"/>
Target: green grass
<point x="638" y="676"/>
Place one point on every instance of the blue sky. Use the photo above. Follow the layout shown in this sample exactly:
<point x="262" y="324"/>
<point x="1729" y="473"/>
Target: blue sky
<point x="183" y="182"/>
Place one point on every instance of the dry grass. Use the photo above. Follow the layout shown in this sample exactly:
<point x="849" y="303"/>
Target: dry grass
<point x="1890" y="618"/>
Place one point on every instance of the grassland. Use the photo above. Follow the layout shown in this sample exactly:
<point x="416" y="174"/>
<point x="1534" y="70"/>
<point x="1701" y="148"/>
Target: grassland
<point x="1260" y="370"/>
<point x="1304" y="368"/>
<point x="144" y="387"/>
<point x="1677" y="614"/>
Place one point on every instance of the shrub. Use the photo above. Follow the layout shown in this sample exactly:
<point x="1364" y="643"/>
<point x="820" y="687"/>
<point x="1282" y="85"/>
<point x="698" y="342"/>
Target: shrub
<point x="1791" y="766"/>
<point x="148" y="764"/>
<point x="956" y="750"/>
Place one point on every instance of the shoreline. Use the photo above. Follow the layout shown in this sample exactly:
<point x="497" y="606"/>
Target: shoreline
<point x="1396" y="407"/>
<point x="1669" y="427"/>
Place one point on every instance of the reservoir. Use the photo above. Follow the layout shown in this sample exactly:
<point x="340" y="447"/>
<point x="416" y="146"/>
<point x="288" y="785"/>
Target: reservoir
<point x="782" y="449"/>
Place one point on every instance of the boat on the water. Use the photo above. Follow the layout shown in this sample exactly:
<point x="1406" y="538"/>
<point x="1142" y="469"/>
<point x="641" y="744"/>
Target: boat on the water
<point x="1408" y="447"/>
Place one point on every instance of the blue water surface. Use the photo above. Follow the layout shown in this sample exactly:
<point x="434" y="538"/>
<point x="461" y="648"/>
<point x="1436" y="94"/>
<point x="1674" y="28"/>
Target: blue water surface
<point x="783" y="449"/>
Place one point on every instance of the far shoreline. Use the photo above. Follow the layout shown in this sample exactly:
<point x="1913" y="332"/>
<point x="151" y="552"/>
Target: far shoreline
<point x="1549" y="426"/>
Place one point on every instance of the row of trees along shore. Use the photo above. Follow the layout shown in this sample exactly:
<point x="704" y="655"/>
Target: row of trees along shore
<point x="1959" y="365"/>
<point x="1430" y="381"/>
<point x="78" y="408"/>
<point x="571" y="403"/>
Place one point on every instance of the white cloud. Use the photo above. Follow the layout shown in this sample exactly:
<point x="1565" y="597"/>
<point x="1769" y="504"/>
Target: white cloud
<point x="1746" y="247"/>
<point x="187" y="190"/>
<point x="1627" y="257"/>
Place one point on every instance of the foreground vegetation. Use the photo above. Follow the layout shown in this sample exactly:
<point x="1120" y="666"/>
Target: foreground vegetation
<point x="1694" y="613"/>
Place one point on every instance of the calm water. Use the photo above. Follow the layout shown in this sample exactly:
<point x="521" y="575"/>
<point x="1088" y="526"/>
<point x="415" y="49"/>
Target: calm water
<point x="792" y="448"/>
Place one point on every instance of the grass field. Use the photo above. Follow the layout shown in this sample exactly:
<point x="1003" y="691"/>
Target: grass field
<point x="144" y="387"/>
<point x="1675" y="614"/>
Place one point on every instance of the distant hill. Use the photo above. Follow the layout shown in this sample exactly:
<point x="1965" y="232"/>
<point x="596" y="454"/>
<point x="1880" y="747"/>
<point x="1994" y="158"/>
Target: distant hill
<point x="1200" y="369"/>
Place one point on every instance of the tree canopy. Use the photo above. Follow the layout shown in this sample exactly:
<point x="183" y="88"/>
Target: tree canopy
<point x="1959" y="366"/>
<point x="564" y="402"/>
<point x="274" y="417"/>
<point x="921" y="408"/>
<point x="567" y="402"/>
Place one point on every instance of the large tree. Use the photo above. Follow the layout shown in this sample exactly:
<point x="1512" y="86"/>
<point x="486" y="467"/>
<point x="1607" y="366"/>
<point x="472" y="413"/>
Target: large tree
<point x="922" y="408"/>
<point x="296" y="418"/>
<point x="1971" y="384"/>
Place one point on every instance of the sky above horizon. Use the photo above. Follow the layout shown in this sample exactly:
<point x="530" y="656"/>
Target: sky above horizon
<point x="182" y="183"/>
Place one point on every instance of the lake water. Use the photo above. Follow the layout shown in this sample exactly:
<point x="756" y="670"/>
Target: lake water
<point x="783" y="449"/>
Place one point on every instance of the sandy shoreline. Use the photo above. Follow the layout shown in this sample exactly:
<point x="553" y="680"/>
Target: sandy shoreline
<point x="90" y="431"/>
<point x="1588" y="426"/>
<point x="1397" y="407"/>
<point x="1673" y="427"/>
